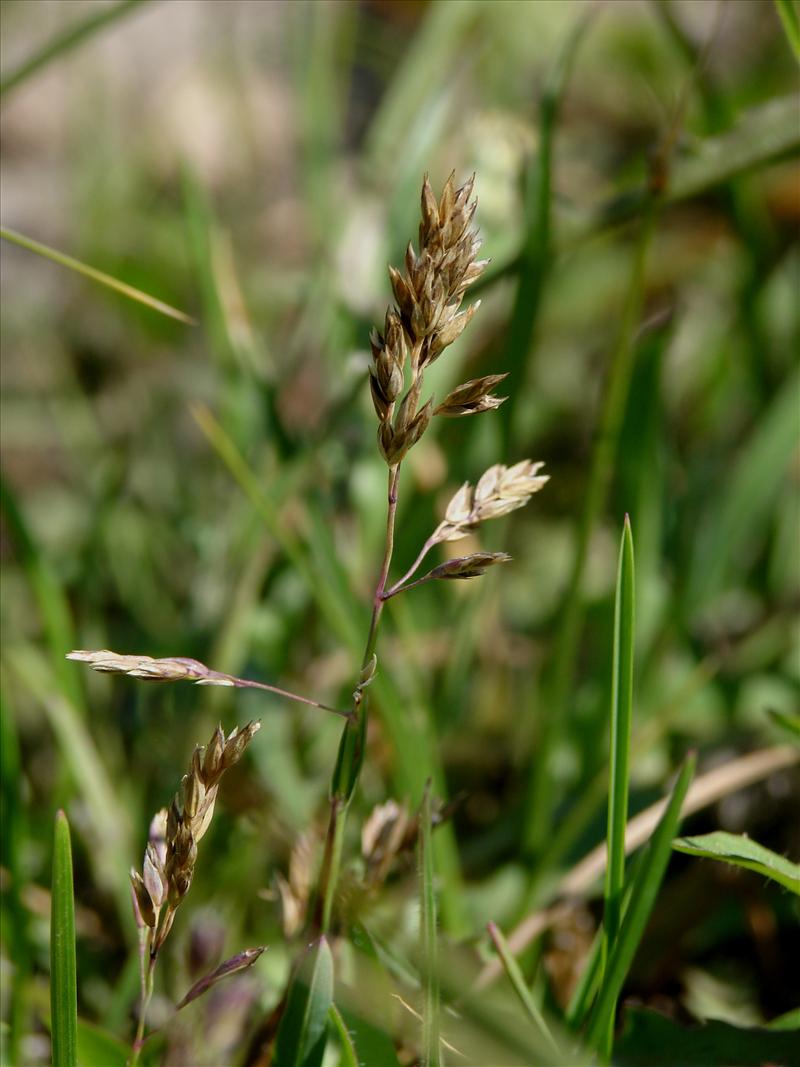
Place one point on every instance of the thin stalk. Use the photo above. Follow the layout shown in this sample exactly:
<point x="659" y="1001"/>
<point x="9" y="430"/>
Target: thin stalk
<point x="351" y="748"/>
<point x="65" y="41"/>
<point x="95" y="275"/>
<point x="147" y="963"/>
<point x="411" y="570"/>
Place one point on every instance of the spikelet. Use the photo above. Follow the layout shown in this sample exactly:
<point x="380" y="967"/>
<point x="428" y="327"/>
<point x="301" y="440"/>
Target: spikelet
<point x="175" y="832"/>
<point x="425" y="320"/>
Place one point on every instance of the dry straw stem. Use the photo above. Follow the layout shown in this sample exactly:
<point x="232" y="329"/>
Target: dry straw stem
<point x="182" y="669"/>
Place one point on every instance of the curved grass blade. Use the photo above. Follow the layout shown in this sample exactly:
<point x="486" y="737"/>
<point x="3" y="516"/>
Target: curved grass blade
<point x="430" y="1015"/>
<point x="63" y="978"/>
<point x="620" y="747"/>
<point x="787" y="12"/>
<point x="303" y="1032"/>
<point x="643" y="895"/>
<point x="740" y="851"/>
<point x="65" y="41"/>
<point x="517" y="979"/>
<point x="349" y="1055"/>
<point x="100" y="276"/>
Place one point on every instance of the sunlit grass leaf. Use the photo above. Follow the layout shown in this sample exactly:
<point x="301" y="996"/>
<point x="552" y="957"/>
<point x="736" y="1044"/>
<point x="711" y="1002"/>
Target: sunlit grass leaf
<point x="790" y="1020"/>
<point x="100" y="276"/>
<point x="644" y="891"/>
<point x="63" y="977"/>
<point x="303" y="1032"/>
<point x="651" y="1040"/>
<point x="740" y="851"/>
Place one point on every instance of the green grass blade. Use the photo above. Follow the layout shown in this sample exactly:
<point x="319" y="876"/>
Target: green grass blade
<point x="349" y="1055"/>
<point x="65" y="41"/>
<point x="787" y="12"/>
<point x="100" y="276"/>
<point x="63" y="979"/>
<point x="536" y="255"/>
<point x="303" y="1032"/>
<point x="584" y="993"/>
<point x="517" y="979"/>
<point x="747" y="496"/>
<point x="740" y="851"/>
<point x="620" y="747"/>
<point x="643" y="895"/>
<point x="430" y="1015"/>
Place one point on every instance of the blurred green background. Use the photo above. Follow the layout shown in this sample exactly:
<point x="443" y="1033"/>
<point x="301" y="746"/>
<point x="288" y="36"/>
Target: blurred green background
<point x="215" y="490"/>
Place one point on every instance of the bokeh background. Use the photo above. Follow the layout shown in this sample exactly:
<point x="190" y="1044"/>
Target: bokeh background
<point x="215" y="490"/>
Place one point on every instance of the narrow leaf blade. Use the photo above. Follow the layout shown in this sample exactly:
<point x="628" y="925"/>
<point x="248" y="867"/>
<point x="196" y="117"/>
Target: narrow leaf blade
<point x="63" y="260"/>
<point x="63" y="979"/>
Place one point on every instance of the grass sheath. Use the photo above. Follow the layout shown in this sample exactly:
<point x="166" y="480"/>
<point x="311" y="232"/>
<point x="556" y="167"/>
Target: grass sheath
<point x="63" y="978"/>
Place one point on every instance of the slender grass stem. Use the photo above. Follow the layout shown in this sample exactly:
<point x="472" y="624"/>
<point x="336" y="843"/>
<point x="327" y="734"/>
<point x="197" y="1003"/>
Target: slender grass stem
<point x="95" y="275"/>
<point x="400" y="583"/>
<point x="65" y="41"/>
<point x="351" y="748"/>
<point x="147" y="963"/>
